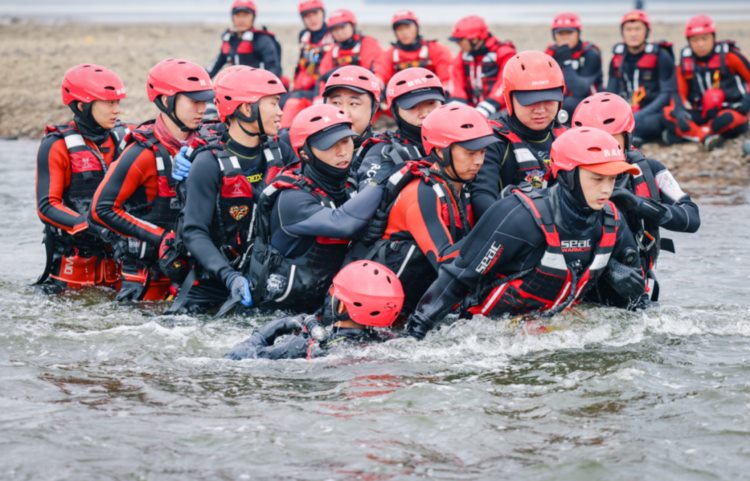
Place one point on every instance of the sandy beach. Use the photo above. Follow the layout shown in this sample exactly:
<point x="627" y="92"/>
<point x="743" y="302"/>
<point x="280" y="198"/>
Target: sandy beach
<point x="34" y="56"/>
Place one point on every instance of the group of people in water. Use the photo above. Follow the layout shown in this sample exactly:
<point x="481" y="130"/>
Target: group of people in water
<point x="511" y="185"/>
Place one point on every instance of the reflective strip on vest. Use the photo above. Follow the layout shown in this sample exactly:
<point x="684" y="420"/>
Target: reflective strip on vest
<point x="525" y="158"/>
<point x="554" y="260"/>
<point x="73" y="141"/>
<point x="600" y="261"/>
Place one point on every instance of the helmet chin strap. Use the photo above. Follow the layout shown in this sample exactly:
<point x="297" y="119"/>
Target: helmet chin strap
<point x="253" y="117"/>
<point x="169" y="111"/>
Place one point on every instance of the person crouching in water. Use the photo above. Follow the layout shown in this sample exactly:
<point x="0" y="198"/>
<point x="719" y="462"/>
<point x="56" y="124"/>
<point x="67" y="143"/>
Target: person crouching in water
<point x="427" y="210"/>
<point x="533" y="88"/>
<point x="71" y="162"/>
<point x="224" y="182"/>
<point x="365" y="297"/>
<point x="308" y="214"/>
<point x="538" y="251"/>
<point x="649" y="200"/>
<point x="137" y="198"/>
<point x="411" y="94"/>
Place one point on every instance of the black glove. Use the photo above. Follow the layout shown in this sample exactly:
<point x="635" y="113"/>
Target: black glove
<point x="418" y="326"/>
<point x="641" y="206"/>
<point x="626" y="281"/>
<point x="142" y="250"/>
<point x="263" y="339"/>
<point x="375" y="229"/>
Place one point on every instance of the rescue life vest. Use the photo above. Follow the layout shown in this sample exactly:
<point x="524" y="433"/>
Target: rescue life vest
<point x="244" y="53"/>
<point x="712" y="73"/>
<point x="311" y="53"/>
<point x="642" y="85"/>
<point x="86" y="164"/>
<point x="646" y="233"/>
<point x="552" y="285"/>
<point x="482" y="70"/>
<point x="578" y="56"/>
<point x="165" y="207"/>
<point x="420" y="57"/>
<point x="532" y="167"/>
<point x="305" y="279"/>
<point x="349" y="56"/>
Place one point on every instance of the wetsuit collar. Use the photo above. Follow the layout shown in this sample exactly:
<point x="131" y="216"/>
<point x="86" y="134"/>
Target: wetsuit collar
<point x="415" y="45"/>
<point x="316" y="37"/>
<point x="87" y="126"/>
<point x="527" y="133"/>
<point x="331" y="180"/>
<point x="350" y="42"/>
<point x="412" y="133"/>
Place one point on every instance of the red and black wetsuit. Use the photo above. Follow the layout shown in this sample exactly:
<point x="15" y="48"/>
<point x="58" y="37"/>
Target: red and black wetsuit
<point x="361" y="50"/>
<point x="137" y="200"/>
<point x="254" y="48"/>
<point x="306" y="220"/>
<point x="389" y="150"/>
<point x="582" y="69"/>
<point x="427" y="216"/>
<point x="429" y="54"/>
<point x="522" y="155"/>
<point x="70" y="167"/>
<point x="647" y="81"/>
<point x="529" y="252"/>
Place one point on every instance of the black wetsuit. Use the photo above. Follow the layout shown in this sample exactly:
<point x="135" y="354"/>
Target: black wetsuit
<point x="263" y="54"/>
<point x="507" y="241"/>
<point x="501" y="168"/>
<point x="393" y="149"/>
<point x="582" y="68"/>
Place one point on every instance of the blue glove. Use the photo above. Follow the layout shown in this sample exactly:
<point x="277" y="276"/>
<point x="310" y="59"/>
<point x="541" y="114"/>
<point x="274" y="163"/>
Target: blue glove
<point x="181" y="165"/>
<point x="239" y="288"/>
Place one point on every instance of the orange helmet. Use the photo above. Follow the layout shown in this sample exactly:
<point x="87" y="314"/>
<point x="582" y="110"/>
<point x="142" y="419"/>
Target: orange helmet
<point x="404" y="16"/>
<point x="636" y="16"/>
<point x="456" y="123"/>
<point x="173" y="76"/>
<point x="412" y="86"/>
<point x="321" y="125"/>
<point x="341" y="17"/>
<point x="566" y="21"/>
<point x="310" y="5"/>
<point x="606" y="111"/>
<point x="243" y="6"/>
<point x="244" y="85"/>
<point x="533" y="77"/>
<point x="371" y="292"/>
<point x="591" y="149"/>
<point x="471" y="27"/>
<point x="88" y="82"/>
<point x="699" y="25"/>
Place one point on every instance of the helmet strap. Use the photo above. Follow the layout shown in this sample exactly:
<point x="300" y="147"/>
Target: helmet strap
<point x="253" y="117"/>
<point x="169" y="111"/>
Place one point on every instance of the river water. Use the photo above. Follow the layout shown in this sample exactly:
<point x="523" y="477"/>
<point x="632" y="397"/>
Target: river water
<point x="94" y="391"/>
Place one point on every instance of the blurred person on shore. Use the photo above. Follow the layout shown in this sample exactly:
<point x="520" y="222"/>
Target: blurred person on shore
<point x="713" y="78"/>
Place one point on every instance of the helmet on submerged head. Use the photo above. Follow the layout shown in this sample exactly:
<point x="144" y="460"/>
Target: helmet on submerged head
<point x="371" y="292"/>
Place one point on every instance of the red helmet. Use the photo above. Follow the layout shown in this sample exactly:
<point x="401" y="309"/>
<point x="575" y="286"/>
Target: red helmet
<point x="456" y="123"/>
<point x="566" y="21"/>
<point x="535" y="76"/>
<point x="340" y="17"/>
<point x="88" y="82"/>
<point x="244" y="85"/>
<point x="404" y="16"/>
<point x="371" y="292"/>
<point x="412" y="86"/>
<point x="591" y="149"/>
<point x="174" y="75"/>
<point x="243" y="6"/>
<point x="317" y="119"/>
<point x="354" y="77"/>
<point x="699" y="25"/>
<point x="636" y="16"/>
<point x="310" y="5"/>
<point x="470" y="27"/>
<point x="606" y="111"/>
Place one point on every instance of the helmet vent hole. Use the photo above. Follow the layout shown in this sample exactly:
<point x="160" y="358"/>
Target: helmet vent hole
<point x="608" y="121"/>
<point x="357" y="304"/>
<point x="87" y="66"/>
<point x="362" y="77"/>
<point x="401" y="82"/>
<point x="67" y="89"/>
<point x="376" y="271"/>
<point x="193" y="79"/>
<point x="273" y="82"/>
<point x="578" y="123"/>
<point x="467" y="126"/>
<point x="375" y="313"/>
<point x="109" y="87"/>
<point x="429" y="76"/>
<point x="316" y="119"/>
<point x="523" y="67"/>
<point x="605" y="100"/>
<point x="150" y="85"/>
<point x="388" y="278"/>
<point x="98" y="70"/>
<point x="227" y="98"/>
<point x="594" y="149"/>
<point x="181" y="63"/>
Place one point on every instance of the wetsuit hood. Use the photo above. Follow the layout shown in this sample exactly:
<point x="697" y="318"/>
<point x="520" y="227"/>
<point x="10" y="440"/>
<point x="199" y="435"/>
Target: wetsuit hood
<point x="87" y="126"/>
<point x="526" y="133"/>
<point x="331" y="179"/>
